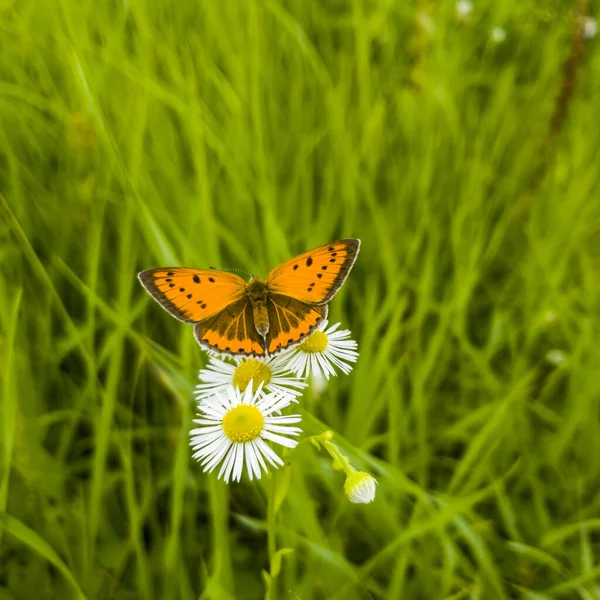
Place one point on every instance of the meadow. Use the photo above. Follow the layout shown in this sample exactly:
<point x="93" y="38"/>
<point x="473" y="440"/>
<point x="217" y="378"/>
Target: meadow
<point x="461" y="146"/>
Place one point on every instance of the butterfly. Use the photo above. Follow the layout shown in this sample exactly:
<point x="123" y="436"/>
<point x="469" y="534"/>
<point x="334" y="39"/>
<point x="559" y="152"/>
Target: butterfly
<point x="257" y="317"/>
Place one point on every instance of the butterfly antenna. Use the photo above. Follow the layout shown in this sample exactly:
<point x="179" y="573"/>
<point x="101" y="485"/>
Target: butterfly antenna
<point x="236" y="270"/>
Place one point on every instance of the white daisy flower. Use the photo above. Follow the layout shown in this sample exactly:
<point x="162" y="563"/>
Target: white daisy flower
<point x="360" y="487"/>
<point x="235" y="428"/>
<point x="271" y="373"/>
<point x="322" y="351"/>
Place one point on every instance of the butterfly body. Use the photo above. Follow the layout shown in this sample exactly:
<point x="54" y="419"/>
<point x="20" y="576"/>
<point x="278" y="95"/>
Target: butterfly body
<point x="258" y="292"/>
<point x="260" y="316"/>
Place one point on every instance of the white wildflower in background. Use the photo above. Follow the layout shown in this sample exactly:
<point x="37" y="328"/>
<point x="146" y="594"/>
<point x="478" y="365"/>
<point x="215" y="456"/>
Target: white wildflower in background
<point x="322" y="351"/>
<point x="589" y="28"/>
<point x="272" y="373"/>
<point x="425" y="20"/>
<point x="317" y="383"/>
<point x="234" y="428"/>
<point x="498" y="34"/>
<point x="549" y="317"/>
<point x="464" y="8"/>
<point x="360" y="487"/>
<point x="556" y="357"/>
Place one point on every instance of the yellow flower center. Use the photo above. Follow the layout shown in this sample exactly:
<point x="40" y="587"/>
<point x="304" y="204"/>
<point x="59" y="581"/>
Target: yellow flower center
<point x="254" y="370"/>
<point x="243" y="423"/>
<point x="317" y="342"/>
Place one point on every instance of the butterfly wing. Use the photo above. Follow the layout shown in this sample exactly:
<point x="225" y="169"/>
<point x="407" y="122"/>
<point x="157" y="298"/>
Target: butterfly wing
<point x="231" y="331"/>
<point x="193" y="295"/>
<point x="290" y="321"/>
<point x="315" y="277"/>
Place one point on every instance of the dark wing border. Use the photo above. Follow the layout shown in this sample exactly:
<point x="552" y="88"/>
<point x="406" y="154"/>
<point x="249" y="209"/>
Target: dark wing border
<point x="147" y="280"/>
<point x="353" y="250"/>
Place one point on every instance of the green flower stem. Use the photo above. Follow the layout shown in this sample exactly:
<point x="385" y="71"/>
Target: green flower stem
<point x="340" y="462"/>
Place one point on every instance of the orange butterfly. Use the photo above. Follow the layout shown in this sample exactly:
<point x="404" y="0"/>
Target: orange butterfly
<point x="260" y="316"/>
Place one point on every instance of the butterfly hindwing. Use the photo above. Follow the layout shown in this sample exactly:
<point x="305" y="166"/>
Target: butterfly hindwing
<point x="290" y="321"/>
<point x="192" y="295"/>
<point x="231" y="331"/>
<point x="314" y="277"/>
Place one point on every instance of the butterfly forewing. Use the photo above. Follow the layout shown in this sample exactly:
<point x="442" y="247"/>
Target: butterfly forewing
<point x="314" y="277"/>
<point x="193" y="295"/>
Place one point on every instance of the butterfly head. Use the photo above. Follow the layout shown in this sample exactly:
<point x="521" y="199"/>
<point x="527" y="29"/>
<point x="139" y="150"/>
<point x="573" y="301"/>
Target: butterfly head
<point x="256" y="289"/>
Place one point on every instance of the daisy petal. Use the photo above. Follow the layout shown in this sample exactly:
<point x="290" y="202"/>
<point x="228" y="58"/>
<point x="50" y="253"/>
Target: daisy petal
<point x="278" y="439"/>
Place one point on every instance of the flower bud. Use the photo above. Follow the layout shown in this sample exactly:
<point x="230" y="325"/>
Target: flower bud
<point x="360" y="487"/>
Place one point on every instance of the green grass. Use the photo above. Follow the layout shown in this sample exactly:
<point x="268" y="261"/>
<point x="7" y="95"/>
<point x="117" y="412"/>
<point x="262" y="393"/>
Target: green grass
<point x="236" y="134"/>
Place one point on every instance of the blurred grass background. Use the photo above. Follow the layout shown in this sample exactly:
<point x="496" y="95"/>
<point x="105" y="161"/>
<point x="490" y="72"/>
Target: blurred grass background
<point x="142" y="133"/>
